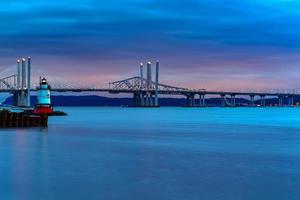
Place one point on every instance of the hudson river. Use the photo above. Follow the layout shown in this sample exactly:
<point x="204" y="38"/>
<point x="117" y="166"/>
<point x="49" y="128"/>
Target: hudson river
<point x="153" y="154"/>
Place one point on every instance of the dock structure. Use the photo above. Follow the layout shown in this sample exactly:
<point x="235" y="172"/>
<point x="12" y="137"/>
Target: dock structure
<point x="20" y="119"/>
<point x="144" y="90"/>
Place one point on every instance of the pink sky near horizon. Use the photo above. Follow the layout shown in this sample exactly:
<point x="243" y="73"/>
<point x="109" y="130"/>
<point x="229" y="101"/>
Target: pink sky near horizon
<point x="244" y="74"/>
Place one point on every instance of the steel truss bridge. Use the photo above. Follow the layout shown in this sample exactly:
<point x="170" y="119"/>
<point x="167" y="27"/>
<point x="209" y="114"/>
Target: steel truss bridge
<point x="8" y="83"/>
<point x="145" y="91"/>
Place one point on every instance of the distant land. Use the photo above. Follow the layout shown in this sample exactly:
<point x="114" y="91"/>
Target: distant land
<point x="94" y="100"/>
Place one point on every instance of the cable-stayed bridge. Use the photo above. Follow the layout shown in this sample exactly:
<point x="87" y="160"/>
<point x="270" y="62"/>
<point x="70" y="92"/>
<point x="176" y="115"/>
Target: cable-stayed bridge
<point x="145" y="90"/>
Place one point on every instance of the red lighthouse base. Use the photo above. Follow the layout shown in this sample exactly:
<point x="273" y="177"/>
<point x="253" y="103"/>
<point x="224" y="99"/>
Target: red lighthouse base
<point x="43" y="109"/>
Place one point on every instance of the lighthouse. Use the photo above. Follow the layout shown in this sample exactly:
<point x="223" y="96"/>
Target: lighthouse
<point x="43" y="105"/>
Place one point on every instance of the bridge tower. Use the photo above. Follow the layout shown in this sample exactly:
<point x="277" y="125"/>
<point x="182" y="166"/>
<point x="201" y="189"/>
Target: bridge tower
<point x="17" y="93"/>
<point x="22" y="92"/>
<point x="28" y="81"/>
<point x="147" y="93"/>
<point x="156" y="84"/>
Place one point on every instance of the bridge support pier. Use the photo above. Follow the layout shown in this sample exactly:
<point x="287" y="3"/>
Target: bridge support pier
<point x="252" y="100"/>
<point x="262" y="100"/>
<point x="280" y="101"/>
<point x="136" y="99"/>
<point x="223" y="100"/>
<point x="148" y="99"/>
<point x="190" y="100"/>
<point x="20" y="98"/>
<point x="291" y="101"/>
<point x="15" y="98"/>
<point x="232" y="102"/>
<point x="201" y="100"/>
<point x="187" y="102"/>
<point x="141" y="99"/>
<point x="151" y="98"/>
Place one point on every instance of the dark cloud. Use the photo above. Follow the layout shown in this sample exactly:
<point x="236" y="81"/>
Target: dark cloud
<point x="234" y="23"/>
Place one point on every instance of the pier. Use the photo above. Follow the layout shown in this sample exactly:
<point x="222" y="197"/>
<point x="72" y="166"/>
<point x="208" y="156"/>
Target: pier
<point x="144" y="89"/>
<point x="21" y="119"/>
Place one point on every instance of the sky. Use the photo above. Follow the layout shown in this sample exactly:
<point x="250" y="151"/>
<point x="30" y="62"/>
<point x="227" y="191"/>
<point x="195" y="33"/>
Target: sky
<point x="245" y="45"/>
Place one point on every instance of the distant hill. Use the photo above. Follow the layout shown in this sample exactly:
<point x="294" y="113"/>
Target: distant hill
<point x="94" y="100"/>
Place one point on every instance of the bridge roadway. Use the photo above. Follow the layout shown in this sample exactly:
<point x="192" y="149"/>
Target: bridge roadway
<point x="175" y="92"/>
<point x="164" y="92"/>
<point x="190" y="94"/>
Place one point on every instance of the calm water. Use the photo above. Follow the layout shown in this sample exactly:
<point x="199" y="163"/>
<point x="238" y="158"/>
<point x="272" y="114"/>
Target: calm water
<point x="166" y="153"/>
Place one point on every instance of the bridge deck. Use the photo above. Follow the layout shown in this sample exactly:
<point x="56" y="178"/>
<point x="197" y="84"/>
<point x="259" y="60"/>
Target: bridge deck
<point x="163" y="92"/>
